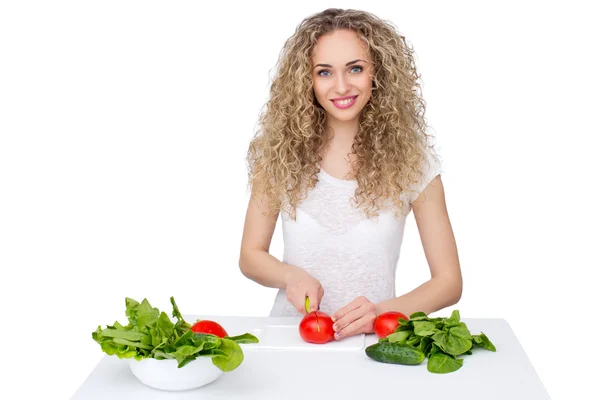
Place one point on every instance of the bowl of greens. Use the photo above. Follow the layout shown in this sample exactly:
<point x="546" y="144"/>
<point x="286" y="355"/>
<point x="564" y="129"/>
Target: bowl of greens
<point x="165" y="375"/>
<point x="165" y="353"/>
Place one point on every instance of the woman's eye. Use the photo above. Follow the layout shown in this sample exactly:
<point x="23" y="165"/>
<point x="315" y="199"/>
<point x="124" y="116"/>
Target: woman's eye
<point x="360" y="69"/>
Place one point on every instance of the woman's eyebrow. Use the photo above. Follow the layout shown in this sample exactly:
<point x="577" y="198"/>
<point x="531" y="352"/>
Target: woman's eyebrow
<point x="330" y="66"/>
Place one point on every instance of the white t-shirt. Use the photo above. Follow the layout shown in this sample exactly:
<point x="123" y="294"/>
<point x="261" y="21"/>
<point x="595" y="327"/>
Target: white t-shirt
<point x="350" y="254"/>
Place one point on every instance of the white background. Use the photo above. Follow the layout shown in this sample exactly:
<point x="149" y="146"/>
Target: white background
<point x="124" y="128"/>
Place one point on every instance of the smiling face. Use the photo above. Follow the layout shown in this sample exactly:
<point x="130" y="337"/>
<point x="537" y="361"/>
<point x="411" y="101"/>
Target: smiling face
<point x="342" y="74"/>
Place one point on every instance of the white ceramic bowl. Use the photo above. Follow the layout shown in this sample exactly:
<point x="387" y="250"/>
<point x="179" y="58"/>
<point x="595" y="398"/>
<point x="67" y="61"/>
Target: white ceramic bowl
<point x="164" y="374"/>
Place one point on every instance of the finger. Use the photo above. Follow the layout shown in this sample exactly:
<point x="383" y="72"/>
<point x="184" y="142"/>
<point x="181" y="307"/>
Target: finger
<point x="353" y="305"/>
<point x="301" y="302"/>
<point x="299" y="306"/>
<point x="360" y="325"/>
<point x="348" y="319"/>
<point x="350" y="329"/>
<point x="313" y="298"/>
<point x="297" y="299"/>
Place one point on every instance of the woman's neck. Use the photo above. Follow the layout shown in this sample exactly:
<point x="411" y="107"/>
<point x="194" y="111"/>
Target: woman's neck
<point x="341" y="134"/>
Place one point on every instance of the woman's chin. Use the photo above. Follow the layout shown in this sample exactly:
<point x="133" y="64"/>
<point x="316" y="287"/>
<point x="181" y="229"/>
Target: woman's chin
<point x="341" y="116"/>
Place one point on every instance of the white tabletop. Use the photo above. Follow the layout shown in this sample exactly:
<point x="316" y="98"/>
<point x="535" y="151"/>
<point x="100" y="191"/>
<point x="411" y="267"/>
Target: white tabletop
<point x="341" y="370"/>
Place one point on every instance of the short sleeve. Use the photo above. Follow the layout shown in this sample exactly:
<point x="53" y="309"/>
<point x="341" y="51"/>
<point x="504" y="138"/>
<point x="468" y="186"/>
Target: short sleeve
<point x="431" y="168"/>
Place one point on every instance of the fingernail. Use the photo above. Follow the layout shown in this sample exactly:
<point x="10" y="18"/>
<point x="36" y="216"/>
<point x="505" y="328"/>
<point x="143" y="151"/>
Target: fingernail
<point x="338" y="335"/>
<point x="336" y="327"/>
<point x="333" y="319"/>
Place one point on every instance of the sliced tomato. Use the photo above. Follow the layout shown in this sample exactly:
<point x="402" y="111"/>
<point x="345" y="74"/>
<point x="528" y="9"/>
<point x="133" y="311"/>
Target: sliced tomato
<point x="316" y="327"/>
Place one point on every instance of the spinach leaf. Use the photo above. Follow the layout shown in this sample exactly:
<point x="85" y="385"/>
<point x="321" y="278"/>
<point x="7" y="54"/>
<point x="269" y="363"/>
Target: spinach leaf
<point x="413" y="340"/>
<point x="245" y="338"/>
<point x="185" y="351"/>
<point x="483" y="341"/>
<point x="435" y="349"/>
<point x="425" y="345"/>
<point x="425" y="328"/>
<point x="399" y="337"/>
<point x="440" y="363"/>
<point x="452" y="342"/>
<point x="208" y="341"/>
<point x="232" y="358"/>
<point x="442" y="340"/>
<point x="453" y="320"/>
<point x="164" y="325"/>
<point x="460" y="330"/>
<point x="418" y="316"/>
<point x="406" y="327"/>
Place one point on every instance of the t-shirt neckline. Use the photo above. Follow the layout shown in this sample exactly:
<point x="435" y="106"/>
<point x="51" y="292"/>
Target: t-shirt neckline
<point x="337" y="181"/>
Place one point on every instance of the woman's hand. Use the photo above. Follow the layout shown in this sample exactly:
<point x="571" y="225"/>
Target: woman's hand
<point x="356" y="317"/>
<point x="299" y="285"/>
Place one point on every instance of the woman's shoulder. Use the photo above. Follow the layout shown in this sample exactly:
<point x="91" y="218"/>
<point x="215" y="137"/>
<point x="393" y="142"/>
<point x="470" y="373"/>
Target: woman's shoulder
<point x="430" y="167"/>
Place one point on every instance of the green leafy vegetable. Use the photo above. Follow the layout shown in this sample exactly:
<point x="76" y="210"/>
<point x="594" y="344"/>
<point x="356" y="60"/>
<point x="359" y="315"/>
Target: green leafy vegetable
<point x="425" y="328"/>
<point x="399" y="337"/>
<point x="245" y="338"/>
<point x="231" y="359"/>
<point x="441" y="363"/>
<point x="483" y="341"/>
<point x="151" y="334"/>
<point x="442" y="340"/>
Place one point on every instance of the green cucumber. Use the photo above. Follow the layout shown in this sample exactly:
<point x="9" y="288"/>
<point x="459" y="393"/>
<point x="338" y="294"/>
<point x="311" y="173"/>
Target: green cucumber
<point x="395" y="353"/>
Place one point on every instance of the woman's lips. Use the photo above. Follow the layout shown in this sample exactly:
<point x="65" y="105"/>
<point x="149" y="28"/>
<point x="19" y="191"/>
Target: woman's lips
<point x="343" y="104"/>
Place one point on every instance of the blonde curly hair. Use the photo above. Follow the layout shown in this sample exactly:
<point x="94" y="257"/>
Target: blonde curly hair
<point x="390" y="145"/>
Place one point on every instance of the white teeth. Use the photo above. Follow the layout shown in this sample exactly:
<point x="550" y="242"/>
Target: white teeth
<point x="344" y="102"/>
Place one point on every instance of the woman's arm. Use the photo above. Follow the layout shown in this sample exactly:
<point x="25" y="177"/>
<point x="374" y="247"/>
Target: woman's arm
<point x="445" y="286"/>
<point x="442" y="290"/>
<point x="255" y="261"/>
<point x="257" y="264"/>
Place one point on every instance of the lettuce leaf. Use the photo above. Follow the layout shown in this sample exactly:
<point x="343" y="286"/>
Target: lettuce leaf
<point x="151" y="334"/>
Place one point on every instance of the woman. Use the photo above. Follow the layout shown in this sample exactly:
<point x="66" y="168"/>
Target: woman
<point x="343" y="155"/>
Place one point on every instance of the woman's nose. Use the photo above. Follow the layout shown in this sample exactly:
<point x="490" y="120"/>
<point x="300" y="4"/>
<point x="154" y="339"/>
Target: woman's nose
<point x="341" y="84"/>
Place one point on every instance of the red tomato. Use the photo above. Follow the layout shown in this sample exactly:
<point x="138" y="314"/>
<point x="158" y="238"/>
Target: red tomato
<point x="207" y="326"/>
<point x="387" y="322"/>
<point x="316" y="327"/>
